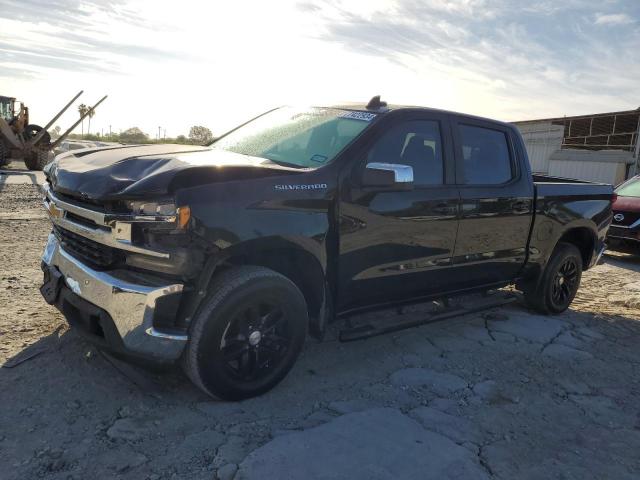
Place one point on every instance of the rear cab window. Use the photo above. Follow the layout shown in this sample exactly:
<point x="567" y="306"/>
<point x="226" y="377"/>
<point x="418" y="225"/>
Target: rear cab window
<point x="486" y="156"/>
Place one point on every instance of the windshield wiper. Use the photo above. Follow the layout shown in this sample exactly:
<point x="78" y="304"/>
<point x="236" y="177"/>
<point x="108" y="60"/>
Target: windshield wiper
<point x="284" y="164"/>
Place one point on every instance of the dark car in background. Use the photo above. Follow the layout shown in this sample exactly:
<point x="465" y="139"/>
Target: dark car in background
<point x="624" y="233"/>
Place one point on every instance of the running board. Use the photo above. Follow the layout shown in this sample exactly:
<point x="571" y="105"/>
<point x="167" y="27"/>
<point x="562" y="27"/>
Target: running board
<point x="443" y="309"/>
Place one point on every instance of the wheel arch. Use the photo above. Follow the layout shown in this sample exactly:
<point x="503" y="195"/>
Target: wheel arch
<point x="296" y="263"/>
<point x="584" y="239"/>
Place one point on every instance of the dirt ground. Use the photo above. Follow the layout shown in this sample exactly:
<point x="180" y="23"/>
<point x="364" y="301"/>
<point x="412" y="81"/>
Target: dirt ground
<point x="503" y="394"/>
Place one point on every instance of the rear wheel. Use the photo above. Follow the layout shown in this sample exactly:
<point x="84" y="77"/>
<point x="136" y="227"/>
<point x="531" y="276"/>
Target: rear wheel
<point x="37" y="159"/>
<point x="559" y="283"/>
<point x="248" y="334"/>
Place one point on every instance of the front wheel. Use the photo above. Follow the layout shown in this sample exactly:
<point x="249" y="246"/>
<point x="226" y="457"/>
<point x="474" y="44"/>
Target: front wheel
<point x="248" y="334"/>
<point x="560" y="281"/>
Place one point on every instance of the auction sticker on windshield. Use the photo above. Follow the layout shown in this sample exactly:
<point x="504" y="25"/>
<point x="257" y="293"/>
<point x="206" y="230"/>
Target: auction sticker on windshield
<point x="365" y="116"/>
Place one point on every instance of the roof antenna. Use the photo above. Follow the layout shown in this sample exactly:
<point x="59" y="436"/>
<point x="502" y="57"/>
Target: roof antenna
<point x="375" y="103"/>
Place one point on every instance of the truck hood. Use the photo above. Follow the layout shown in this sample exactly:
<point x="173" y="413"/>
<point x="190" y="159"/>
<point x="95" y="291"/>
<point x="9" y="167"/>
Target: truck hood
<point x="135" y="171"/>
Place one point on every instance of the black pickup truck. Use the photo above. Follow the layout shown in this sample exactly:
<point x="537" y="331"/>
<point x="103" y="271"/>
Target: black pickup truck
<point x="224" y="257"/>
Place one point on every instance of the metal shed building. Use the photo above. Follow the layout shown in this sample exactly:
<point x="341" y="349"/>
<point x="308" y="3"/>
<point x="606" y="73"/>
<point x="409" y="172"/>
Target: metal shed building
<point x="600" y="147"/>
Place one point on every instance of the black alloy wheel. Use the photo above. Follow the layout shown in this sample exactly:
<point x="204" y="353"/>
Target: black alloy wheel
<point x="256" y="341"/>
<point x="557" y="286"/>
<point x="247" y="335"/>
<point x="565" y="283"/>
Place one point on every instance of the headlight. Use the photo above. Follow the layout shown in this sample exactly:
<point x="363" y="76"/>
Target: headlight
<point x="151" y="208"/>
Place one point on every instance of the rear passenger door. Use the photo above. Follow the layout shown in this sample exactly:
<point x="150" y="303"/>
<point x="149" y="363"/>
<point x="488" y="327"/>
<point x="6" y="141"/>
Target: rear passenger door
<point x="496" y="194"/>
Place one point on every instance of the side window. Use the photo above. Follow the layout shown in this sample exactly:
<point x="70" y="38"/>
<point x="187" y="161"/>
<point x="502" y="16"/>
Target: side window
<point x="486" y="156"/>
<point x="417" y="144"/>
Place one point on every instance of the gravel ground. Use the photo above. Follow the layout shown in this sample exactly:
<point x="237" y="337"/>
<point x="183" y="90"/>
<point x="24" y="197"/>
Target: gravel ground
<point x="504" y="394"/>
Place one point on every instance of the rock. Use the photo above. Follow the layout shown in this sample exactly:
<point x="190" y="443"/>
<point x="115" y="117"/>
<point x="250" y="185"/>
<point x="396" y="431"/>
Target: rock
<point x="350" y="406"/>
<point x="377" y="443"/>
<point x="563" y="352"/>
<point x="227" y="472"/>
<point x="458" y="429"/>
<point x="529" y="328"/>
<point x="129" y="429"/>
<point x="442" y="384"/>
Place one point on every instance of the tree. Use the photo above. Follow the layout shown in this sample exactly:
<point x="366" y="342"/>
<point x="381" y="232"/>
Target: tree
<point x="55" y="131"/>
<point x="199" y="135"/>
<point x="134" y="135"/>
<point x="90" y="113"/>
<point x="82" y="109"/>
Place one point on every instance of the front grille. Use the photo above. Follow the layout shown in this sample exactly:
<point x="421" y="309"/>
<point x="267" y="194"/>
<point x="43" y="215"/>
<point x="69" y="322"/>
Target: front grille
<point x="85" y="202"/>
<point x="629" y="218"/>
<point x="94" y="253"/>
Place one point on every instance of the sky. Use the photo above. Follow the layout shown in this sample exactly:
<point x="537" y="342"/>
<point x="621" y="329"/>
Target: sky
<point x="182" y="63"/>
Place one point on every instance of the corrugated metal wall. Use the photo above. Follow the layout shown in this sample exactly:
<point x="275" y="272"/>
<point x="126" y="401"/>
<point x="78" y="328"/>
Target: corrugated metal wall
<point x="602" y="172"/>
<point x="606" y="166"/>
<point x="541" y="139"/>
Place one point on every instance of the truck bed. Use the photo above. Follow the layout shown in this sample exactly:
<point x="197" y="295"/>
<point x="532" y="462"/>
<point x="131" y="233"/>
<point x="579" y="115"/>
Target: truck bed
<point x="560" y="188"/>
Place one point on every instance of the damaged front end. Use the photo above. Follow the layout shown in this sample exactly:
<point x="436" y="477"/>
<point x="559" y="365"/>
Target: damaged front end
<point x="118" y="270"/>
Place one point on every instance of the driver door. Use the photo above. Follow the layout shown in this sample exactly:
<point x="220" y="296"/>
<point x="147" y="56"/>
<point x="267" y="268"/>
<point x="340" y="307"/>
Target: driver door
<point x="396" y="242"/>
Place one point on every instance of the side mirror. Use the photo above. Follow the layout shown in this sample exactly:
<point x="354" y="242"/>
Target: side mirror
<point x="388" y="175"/>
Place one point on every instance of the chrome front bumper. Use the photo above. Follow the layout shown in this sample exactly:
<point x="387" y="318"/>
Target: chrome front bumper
<point x="129" y="301"/>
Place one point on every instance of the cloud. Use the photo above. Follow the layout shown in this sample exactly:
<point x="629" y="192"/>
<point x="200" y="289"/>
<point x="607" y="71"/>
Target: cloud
<point x="226" y="61"/>
<point x="613" y="19"/>
<point x="519" y="60"/>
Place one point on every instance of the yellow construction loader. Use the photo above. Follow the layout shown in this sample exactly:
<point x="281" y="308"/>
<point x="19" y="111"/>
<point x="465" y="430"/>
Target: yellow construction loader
<point x="32" y="143"/>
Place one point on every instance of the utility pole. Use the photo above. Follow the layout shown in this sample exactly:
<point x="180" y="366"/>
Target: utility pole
<point x="159" y="133"/>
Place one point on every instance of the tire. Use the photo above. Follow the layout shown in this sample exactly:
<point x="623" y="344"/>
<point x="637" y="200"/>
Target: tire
<point x="31" y="131"/>
<point x="37" y="159"/>
<point x="4" y="154"/>
<point x="559" y="283"/>
<point x="225" y="357"/>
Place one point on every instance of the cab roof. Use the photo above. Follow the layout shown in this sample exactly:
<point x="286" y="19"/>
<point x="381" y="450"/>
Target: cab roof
<point x="388" y="108"/>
